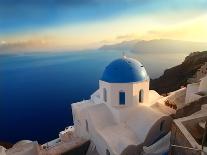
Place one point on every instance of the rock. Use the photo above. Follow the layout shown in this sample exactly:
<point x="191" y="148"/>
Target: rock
<point x="177" y="76"/>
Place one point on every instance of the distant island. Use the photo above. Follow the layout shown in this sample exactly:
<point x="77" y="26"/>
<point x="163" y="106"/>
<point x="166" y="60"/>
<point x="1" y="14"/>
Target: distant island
<point x="157" y="46"/>
<point x="134" y="46"/>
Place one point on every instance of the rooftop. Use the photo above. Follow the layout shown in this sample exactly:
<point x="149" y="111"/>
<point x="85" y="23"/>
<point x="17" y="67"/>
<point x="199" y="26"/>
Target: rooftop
<point x="124" y="70"/>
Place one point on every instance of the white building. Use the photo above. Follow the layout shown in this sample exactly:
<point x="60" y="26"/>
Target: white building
<point x="197" y="90"/>
<point x="200" y="73"/>
<point x="188" y="134"/>
<point x="119" y="118"/>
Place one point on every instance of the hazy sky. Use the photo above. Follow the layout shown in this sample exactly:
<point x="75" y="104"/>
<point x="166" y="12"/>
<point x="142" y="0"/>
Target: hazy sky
<point x="78" y="24"/>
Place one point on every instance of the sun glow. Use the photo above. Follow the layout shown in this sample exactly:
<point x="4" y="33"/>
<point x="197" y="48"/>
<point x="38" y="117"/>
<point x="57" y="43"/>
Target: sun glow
<point x="109" y="31"/>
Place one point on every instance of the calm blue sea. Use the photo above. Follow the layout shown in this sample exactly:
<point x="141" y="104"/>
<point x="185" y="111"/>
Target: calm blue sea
<point x="36" y="89"/>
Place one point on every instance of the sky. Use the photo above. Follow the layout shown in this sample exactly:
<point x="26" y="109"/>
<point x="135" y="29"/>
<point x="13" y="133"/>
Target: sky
<point x="49" y="25"/>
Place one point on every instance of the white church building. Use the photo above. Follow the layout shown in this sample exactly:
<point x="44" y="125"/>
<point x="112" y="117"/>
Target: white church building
<point x="119" y="118"/>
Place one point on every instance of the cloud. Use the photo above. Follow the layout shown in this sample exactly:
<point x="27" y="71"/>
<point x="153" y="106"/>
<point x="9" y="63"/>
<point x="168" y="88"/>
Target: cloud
<point x="81" y="22"/>
<point x="65" y="2"/>
<point x="125" y="37"/>
<point x="3" y="42"/>
<point x="118" y="39"/>
<point x="106" y="41"/>
<point x="26" y="46"/>
<point x="21" y="15"/>
<point x="194" y="30"/>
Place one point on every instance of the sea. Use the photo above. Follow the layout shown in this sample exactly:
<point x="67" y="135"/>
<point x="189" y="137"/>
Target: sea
<point x="37" y="89"/>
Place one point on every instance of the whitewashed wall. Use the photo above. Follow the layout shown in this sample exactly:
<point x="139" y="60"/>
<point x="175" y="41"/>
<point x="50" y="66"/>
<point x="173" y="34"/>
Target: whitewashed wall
<point x="136" y="88"/>
<point x="191" y="91"/>
<point x="203" y="85"/>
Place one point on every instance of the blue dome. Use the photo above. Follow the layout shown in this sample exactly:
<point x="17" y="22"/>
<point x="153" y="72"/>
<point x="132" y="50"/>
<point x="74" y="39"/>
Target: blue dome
<point x="124" y="70"/>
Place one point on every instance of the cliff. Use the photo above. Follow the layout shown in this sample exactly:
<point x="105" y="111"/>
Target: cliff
<point x="177" y="76"/>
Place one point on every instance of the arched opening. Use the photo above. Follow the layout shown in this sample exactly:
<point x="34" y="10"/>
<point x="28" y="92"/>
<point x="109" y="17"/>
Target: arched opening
<point x="105" y="95"/>
<point x="107" y="152"/>
<point x="86" y="125"/>
<point x="141" y="96"/>
<point x="122" y="98"/>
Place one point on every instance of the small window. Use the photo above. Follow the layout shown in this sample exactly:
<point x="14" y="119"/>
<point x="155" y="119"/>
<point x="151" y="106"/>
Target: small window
<point x="122" y="98"/>
<point x="105" y="95"/>
<point x="162" y="125"/>
<point x="87" y="126"/>
<point x="141" y="96"/>
<point x="107" y="152"/>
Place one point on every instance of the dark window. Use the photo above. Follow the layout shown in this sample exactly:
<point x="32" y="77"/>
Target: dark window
<point x="87" y="126"/>
<point x="121" y="98"/>
<point x="107" y="152"/>
<point x="105" y="95"/>
<point x="162" y="125"/>
<point x="141" y="96"/>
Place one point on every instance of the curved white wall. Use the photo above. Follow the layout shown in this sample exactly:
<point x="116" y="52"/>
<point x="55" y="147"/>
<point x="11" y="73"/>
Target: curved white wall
<point x="136" y="89"/>
<point x="203" y="85"/>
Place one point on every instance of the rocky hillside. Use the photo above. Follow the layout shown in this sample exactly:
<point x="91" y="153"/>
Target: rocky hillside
<point x="6" y="145"/>
<point x="177" y="76"/>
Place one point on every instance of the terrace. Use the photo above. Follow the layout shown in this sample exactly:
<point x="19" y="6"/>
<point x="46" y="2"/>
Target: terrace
<point x="66" y="142"/>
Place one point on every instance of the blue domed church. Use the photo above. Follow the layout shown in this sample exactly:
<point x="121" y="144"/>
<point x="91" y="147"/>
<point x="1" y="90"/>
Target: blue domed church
<point x="121" y="117"/>
<point x="124" y="83"/>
